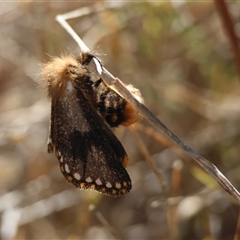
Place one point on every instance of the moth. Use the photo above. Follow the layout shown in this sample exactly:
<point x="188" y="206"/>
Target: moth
<point x="83" y="108"/>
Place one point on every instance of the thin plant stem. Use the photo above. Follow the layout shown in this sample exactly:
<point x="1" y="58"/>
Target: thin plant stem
<point x="120" y="88"/>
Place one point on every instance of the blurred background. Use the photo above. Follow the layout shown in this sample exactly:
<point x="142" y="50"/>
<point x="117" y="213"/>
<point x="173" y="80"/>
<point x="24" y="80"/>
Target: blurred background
<point x="185" y="59"/>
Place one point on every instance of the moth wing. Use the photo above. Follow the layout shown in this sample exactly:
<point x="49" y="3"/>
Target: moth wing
<point x="90" y="155"/>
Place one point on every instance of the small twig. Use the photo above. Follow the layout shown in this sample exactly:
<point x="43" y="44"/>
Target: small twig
<point x="147" y="157"/>
<point x="118" y="86"/>
<point x="62" y="19"/>
<point x="107" y="226"/>
<point x="237" y="231"/>
<point x="229" y="29"/>
<point x="111" y="231"/>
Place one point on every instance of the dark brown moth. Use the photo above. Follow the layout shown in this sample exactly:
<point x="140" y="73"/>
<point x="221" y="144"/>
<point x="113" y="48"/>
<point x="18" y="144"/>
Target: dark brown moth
<point x="83" y="109"/>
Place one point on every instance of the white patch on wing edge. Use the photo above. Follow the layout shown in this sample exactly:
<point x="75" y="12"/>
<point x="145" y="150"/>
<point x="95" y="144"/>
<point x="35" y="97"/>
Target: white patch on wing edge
<point x="66" y="168"/>
<point x="88" y="180"/>
<point x="108" y="185"/>
<point x="77" y="176"/>
<point x="98" y="181"/>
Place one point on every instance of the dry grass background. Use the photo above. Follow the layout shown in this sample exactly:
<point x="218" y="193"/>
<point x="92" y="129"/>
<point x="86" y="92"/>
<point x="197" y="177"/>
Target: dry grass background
<point x="179" y="56"/>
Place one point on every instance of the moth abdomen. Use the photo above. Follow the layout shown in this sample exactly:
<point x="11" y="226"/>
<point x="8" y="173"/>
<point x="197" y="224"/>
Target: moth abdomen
<point x="114" y="108"/>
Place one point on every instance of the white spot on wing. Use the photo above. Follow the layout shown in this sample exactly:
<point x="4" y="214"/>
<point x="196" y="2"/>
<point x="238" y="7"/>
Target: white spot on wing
<point x="98" y="182"/>
<point x="108" y="185"/>
<point x="77" y="176"/>
<point x="66" y="168"/>
<point x="61" y="159"/>
<point x="118" y="185"/>
<point x="88" y="180"/>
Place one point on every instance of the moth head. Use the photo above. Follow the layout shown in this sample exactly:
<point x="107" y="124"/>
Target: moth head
<point x="58" y="73"/>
